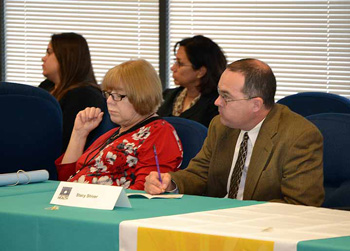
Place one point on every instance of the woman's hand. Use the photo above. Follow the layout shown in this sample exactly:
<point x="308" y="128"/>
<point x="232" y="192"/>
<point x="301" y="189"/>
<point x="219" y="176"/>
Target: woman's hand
<point x="87" y="120"/>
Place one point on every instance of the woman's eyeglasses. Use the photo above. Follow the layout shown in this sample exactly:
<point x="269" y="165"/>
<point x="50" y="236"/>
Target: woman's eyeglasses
<point x="115" y="96"/>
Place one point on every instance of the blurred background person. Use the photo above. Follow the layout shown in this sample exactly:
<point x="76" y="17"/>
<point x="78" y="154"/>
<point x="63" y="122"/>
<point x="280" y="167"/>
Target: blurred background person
<point x="197" y="69"/>
<point x="67" y="64"/>
<point x="125" y="155"/>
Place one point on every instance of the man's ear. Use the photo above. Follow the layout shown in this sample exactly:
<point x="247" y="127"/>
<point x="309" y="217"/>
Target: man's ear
<point x="258" y="104"/>
<point x="201" y="72"/>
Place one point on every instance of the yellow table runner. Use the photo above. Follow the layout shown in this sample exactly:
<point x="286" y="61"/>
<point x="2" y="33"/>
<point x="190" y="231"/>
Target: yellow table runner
<point x="150" y="239"/>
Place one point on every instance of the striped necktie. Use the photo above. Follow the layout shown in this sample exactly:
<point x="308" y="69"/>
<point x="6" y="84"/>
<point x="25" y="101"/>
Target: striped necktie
<point x="237" y="171"/>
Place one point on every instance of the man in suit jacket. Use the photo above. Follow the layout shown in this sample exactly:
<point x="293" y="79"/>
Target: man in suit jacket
<point x="284" y="153"/>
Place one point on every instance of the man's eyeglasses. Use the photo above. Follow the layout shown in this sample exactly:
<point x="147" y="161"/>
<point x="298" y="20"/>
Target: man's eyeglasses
<point x="115" y="96"/>
<point x="179" y="64"/>
<point x="228" y="99"/>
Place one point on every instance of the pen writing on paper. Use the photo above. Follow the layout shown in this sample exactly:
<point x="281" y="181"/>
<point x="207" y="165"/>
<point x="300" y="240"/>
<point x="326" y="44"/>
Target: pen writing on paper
<point x="157" y="163"/>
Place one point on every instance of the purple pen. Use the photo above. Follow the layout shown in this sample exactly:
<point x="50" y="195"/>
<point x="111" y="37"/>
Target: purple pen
<point x="157" y="163"/>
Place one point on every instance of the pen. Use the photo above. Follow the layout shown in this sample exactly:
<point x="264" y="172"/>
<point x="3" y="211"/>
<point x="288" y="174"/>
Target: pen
<point x="157" y="163"/>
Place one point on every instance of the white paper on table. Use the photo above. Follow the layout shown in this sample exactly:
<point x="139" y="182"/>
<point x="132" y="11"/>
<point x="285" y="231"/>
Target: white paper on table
<point x="158" y="196"/>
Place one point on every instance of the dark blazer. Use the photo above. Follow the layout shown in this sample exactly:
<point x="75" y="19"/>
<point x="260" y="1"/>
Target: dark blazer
<point x="286" y="163"/>
<point x="47" y="85"/>
<point x="203" y="111"/>
<point x="73" y="102"/>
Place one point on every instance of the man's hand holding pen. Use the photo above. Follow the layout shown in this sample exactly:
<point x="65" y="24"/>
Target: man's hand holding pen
<point x="154" y="186"/>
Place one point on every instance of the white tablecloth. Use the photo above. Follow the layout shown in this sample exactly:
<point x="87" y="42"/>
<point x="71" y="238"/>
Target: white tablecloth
<point x="283" y="224"/>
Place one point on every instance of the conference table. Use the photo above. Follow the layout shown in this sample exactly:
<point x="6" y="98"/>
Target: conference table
<point x="29" y="222"/>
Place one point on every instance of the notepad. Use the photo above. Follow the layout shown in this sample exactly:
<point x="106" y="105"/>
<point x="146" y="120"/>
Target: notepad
<point x="158" y="196"/>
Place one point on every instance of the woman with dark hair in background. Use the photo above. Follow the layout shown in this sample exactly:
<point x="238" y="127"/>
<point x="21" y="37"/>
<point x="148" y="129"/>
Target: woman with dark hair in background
<point x="67" y="64"/>
<point x="197" y="70"/>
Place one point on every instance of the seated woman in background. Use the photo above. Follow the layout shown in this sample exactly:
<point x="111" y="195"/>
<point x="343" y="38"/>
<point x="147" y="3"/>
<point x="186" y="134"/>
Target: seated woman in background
<point x="125" y="155"/>
<point x="197" y="70"/>
<point x="67" y="64"/>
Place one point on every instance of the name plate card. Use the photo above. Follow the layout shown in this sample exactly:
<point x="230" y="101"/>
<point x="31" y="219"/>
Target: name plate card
<point x="90" y="196"/>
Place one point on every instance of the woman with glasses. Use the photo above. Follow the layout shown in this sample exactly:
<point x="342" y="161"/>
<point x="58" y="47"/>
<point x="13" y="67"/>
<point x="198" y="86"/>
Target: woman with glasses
<point x="142" y="143"/>
<point x="67" y="64"/>
<point x="197" y="69"/>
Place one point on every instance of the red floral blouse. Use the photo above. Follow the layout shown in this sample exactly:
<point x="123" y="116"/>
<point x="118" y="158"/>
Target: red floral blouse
<point x="127" y="159"/>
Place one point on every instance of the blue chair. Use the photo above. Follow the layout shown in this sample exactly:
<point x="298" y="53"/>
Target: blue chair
<point x="30" y="129"/>
<point x="192" y="135"/>
<point x="308" y="103"/>
<point x="335" y="128"/>
<point x="105" y="125"/>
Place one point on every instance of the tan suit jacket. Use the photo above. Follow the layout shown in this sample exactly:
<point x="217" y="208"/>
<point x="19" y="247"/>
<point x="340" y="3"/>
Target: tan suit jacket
<point x="286" y="163"/>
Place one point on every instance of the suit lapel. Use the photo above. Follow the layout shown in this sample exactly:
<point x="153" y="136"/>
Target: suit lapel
<point x="262" y="151"/>
<point x="227" y="150"/>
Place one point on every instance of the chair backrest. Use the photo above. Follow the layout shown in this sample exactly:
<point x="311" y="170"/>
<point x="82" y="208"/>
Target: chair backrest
<point x="192" y="135"/>
<point x="308" y="103"/>
<point x="105" y="125"/>
<point x="30" y="129"/>
<point x="335" y="128"/>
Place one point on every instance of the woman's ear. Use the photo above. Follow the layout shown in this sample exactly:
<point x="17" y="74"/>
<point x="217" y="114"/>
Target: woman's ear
<point x="201" y="71"/>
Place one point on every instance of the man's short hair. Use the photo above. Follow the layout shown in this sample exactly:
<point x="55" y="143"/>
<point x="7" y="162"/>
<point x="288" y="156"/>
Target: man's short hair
<point x="259" y="80"/>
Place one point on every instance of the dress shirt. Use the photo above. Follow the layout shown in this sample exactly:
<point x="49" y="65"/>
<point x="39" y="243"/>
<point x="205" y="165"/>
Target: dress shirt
<point x="253" y="134"/>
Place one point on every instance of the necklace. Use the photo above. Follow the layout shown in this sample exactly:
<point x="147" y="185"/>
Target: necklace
<point x="113" y="137"/>
<point x="138" y="123"/>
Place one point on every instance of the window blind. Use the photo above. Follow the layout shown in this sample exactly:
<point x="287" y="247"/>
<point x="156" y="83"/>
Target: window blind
<point x="306" y="42"/>
<point x="116" y="31"/>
